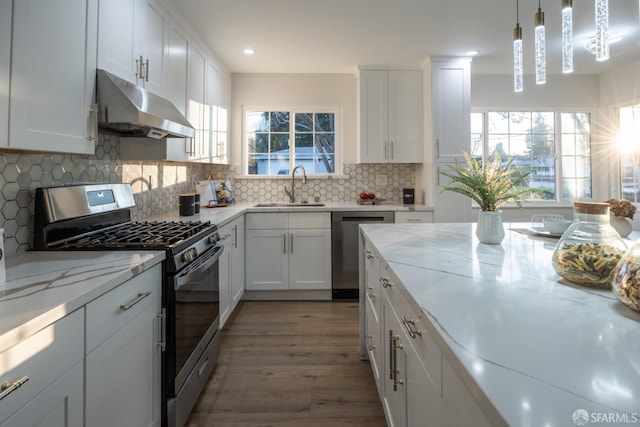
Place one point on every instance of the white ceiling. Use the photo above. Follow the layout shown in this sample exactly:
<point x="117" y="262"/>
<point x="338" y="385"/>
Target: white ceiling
<point x="336" y="36"/>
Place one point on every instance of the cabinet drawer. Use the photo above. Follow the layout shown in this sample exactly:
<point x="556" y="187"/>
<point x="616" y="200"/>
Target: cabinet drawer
<point x="414" y="216"/>
<point x="43" y="357"/>
<point x="266" y="221"/>
<point x="111" y="311"/>
<point x="309" y="220"/>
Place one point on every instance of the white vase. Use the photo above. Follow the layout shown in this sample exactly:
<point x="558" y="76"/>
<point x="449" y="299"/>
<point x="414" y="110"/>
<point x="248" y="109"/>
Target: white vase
<point x="490" y="229"/>
<point x="622" y="226"/>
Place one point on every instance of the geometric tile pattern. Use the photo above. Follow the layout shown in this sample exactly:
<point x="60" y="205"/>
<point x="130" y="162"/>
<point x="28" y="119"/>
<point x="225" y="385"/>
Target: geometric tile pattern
<point x="156" y="185"/>
<point x="357" y="178"/>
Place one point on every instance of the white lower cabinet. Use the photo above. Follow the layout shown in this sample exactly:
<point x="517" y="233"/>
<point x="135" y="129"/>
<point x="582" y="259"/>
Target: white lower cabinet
<point x="231" y="267"/>
<point x="288" y="251"/>
<point x="123" y="370"/>
<point x="418" y="386"/>
<point x="52" y="360"/>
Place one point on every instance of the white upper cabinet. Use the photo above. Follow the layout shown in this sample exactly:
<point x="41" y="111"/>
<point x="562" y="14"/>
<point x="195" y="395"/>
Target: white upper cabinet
<point x="451" y="106"/>
<point x="218" y="100"/>
<point x="197" y="110"/>
<point x="133" y="39"/>
<point x="52" y="75"/>
<point x="5" y="69"/>
<point x="390" y="116"/>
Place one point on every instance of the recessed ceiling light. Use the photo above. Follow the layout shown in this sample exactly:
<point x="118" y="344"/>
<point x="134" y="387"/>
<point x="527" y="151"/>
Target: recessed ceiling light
<point x="248" y="51"/>
<point x="473" y="52"/>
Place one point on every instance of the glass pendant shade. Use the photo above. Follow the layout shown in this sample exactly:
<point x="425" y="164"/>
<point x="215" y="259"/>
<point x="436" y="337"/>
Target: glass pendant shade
<point x="567" y="36"/>
<point x="539" y="46"/>
<point x="518" y="85"/>
<point x="602" y="30"/>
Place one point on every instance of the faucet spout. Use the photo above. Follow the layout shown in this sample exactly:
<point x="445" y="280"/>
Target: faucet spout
<point x="292" y="192"/>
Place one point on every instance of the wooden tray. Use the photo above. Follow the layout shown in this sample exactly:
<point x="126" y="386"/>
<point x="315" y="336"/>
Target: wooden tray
<point x="215" y="205"/>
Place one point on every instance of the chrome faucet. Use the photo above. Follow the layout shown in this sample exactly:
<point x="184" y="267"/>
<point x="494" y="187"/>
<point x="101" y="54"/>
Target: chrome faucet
<point x="292" y="193"/>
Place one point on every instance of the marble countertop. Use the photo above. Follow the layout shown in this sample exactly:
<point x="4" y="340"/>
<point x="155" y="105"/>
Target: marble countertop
<point x="222" y="215"/>
<point x="528" y="344"/>
<point x="43" y="287"/>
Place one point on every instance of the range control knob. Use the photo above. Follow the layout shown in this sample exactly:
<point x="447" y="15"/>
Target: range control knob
<point x="214" y="238"/>
<point x="189" y="255"/>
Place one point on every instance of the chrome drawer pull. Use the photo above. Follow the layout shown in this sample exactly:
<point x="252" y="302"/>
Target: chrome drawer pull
<point x="408" y="324"/>
<point x="141" y="296"/>
<point x="7" y="388"/>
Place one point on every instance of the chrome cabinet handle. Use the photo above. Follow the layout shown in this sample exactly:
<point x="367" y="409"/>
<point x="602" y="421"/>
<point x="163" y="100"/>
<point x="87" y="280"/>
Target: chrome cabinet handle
<point x="391" y="149"/>
<point x="225" y="237"/>
<point x="94" y="110"/>
<point x="409" y="323"/>
<point x="235" y="236"/>
<point x="385" y="282"/>
<point x="291" y="243"/>
<point x="7" y="388"/>
<point x="368" y="254"/>
<point x="284" y="243"/>
<point x="140" y="297"/>
<point x="163" y="329"/>
<point x="437" y="148"/>
<point x="146" y="71"/>
<point x="139" y="65"/>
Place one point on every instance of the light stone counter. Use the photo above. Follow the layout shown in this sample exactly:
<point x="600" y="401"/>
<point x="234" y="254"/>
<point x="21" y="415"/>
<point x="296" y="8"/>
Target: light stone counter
<point x="43" y="287"/>
<point x="530" y="346"/>
<point x="222" y="215"/>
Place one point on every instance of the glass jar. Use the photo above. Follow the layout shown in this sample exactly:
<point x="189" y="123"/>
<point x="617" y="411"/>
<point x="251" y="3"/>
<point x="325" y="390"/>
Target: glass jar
<point x="626" y="277"/>
<point x="590" y="249"/>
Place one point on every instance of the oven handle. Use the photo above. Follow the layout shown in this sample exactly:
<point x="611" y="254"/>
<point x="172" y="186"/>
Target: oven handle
<point x="206" y="260"/>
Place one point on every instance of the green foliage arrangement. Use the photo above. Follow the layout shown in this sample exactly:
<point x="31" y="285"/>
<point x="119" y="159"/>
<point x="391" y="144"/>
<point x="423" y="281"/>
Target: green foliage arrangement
<point x="491" y="186"/>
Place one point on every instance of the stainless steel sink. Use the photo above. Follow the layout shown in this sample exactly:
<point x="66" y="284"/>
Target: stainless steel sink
<point x="286" y="205"/>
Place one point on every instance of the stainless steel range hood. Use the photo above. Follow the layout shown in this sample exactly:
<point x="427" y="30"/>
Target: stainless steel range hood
<point x="132" y="111"/>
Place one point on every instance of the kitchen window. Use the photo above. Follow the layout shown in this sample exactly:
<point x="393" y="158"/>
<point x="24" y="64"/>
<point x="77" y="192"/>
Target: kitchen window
<point x="278" y="140"/>
<point x="629" y="146"/>
<point x="555" y="147"/>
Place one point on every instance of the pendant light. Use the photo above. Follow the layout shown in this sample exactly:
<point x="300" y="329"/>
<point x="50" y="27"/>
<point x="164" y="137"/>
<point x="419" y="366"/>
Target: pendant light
<point x="517" y="55"/>
<point x="567" y="36"/>
<point x="541" y="62"/>
<point x="602" y="30"/>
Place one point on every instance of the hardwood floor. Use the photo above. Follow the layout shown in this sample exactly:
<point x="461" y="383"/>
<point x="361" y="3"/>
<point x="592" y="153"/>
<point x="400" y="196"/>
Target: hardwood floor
<point x="290" y="363"/>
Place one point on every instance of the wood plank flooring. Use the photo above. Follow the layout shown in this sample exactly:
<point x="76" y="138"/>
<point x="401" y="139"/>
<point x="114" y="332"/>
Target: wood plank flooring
<point x="290" y="363"/>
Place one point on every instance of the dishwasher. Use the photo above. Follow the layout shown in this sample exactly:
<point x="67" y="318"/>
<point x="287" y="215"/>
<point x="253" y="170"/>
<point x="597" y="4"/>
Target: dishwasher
<point x="344" y="249"/>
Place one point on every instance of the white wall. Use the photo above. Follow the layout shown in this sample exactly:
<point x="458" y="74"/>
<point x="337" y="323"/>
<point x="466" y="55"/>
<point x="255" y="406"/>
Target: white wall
<point x="273" y="90"/>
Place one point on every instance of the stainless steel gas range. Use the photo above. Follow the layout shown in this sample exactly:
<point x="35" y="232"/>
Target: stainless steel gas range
<point x="98" y="217"/>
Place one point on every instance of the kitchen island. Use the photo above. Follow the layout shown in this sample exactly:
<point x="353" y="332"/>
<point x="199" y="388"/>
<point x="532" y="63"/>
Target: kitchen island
<point x="530" y="348"/>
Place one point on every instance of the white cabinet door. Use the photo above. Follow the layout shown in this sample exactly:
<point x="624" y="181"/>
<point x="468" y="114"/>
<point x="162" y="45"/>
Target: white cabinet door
<point x="451" y="107"/>
<point x="116" y="39"/>
<point x="374" y="125"/>
<point x="237" y="262"/>
<point x="197" y="112"/>
<point x="405" y="117"/>
<point x="218" y="100"/>
<point x="133" y="41"/>
<point x="123" y="372"/>
<point x="310" y="259"/>
<point x="53" y="69"/>
<point x="267" y="259"/>
<point x="224" y="274"/>
<point x="5" y="69"/>
<point x="394" y="368"/>
<point x="59" y="405"/>
<point x="390" y="116"/>
<point x="152" y="31"/>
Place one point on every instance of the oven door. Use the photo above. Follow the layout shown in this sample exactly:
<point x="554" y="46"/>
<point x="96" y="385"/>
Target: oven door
<point x="196" y="314"/>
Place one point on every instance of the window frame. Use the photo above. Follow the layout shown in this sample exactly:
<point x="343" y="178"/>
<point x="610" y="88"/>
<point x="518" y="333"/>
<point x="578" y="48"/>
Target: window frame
<point x="293" y="110"/>
<point x="557" y="112"/>
<point x="635" y="104"/>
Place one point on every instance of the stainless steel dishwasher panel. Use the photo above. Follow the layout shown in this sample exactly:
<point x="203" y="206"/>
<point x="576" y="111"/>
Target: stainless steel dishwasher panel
<point x="344" y="249"/>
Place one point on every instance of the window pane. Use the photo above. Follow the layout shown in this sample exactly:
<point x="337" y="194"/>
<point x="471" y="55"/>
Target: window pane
<point x="278" y="164"/>
<point x="325" y="142"/>
<point x="304" y="140"/>
<point x="280" y="144"/>
<point x="325" y="122"/>
<point x="304" y="122"/>
<point x="279" y="121"/>
<point x="257" y="121"/>
<point x="498" y="123"/>
<point x="259" y="143"/>
<point x="324" y="163"/>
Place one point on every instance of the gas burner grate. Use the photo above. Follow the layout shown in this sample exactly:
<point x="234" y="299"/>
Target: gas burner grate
<point x="145" y="234"/>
